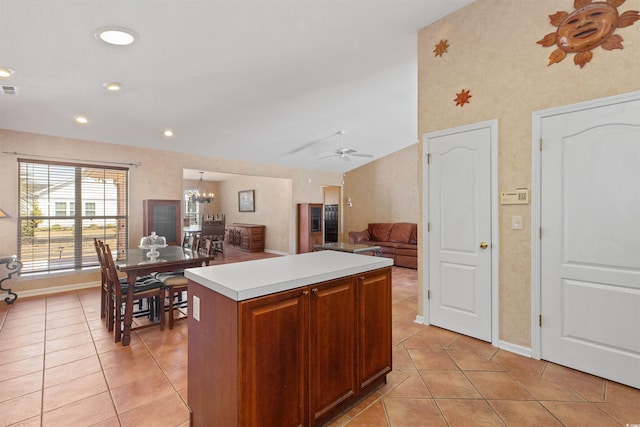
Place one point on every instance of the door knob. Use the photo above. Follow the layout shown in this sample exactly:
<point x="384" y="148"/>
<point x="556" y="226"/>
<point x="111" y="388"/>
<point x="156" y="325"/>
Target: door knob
<point x="484" y="245"/>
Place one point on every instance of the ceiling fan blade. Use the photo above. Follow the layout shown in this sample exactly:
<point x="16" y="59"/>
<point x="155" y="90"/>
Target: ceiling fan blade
<point x="330" y="155"/>
<point x="310" y="143"/>
<point x="362" y="155"/>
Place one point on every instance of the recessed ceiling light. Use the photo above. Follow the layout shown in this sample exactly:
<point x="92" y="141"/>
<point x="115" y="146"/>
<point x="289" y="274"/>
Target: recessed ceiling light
<point x="168" y="132"/>
<point x="5" y="72"/>
<point x="81" y="119"/>
<point x="112" y="87"/>
<point x="116" y="36"/>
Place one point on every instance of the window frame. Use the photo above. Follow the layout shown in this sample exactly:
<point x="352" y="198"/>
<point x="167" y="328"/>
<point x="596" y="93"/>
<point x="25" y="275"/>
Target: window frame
<point x="48" y="243"/>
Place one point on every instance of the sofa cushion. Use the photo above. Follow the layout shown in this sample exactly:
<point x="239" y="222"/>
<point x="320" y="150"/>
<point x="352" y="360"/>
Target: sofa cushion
<point x="413" y="239"/>
<point x="401" y="232"/>
<point x="358" y="236"/>
<point x="403" y="250"/>
<point x="380" y="231"/>
<point x="410" y="246"/>
<point x="387" y="244"/>
<point x="406" y="261"/>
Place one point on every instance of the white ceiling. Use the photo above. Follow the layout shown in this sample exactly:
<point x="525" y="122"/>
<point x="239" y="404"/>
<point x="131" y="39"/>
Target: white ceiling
<point x="258" y="80"/>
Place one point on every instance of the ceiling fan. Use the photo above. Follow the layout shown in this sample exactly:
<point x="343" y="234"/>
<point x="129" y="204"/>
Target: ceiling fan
<point x="345" y="153"/>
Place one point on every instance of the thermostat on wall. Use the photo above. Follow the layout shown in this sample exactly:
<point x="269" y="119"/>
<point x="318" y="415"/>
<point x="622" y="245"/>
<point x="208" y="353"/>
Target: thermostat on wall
<point x="519" y="197"/>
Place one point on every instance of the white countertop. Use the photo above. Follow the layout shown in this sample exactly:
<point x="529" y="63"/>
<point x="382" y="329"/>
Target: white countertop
<point x="244" y="280"/>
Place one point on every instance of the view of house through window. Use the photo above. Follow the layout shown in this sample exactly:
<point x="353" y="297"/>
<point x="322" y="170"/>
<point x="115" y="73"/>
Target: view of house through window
<point x="52" y="234"/>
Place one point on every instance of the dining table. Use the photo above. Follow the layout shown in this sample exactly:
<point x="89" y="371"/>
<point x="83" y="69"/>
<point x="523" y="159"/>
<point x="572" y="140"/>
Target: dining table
<point x="136" y="262"/>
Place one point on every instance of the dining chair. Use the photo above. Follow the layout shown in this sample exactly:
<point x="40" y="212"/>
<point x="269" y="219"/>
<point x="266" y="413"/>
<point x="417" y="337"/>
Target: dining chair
<point x="194" y="241"/>
<point x="106" y="306"/>
<point x="215" y="229"/>
<point x="106" y="302"/>
<point x="205" y="245"/>
<point x="175" y="284"/>
<point x="146" y="287"/>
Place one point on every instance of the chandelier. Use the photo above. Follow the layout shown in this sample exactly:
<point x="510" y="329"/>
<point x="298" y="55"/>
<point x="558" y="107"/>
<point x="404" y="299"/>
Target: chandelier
<point x="195" y="196"/>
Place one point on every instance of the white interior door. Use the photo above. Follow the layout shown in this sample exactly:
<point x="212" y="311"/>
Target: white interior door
<point x="590" y="240"/>
<point x="460" y="237"/>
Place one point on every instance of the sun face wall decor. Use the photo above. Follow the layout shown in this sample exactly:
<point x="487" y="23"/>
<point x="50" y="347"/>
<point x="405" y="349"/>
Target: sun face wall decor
<point x="590" y="25"/>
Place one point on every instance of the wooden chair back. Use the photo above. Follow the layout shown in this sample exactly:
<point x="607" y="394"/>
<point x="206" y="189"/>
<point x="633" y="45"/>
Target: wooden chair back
<point x="205" y="245"/>
<point x="119" y="299"/>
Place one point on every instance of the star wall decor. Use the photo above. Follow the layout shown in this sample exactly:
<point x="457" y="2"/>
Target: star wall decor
<point x="441" y="48"/>
<point x="462" y="98"/>
<point x="590" y="25"/>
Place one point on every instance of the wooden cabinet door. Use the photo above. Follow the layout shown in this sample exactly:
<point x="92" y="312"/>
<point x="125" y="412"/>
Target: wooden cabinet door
<point x="237" y="236"/>
<point x="309" y="226"/>
<point x="374" y="311"/>
<point x="163" y="217"/>
<point x="245" y="235"/>
<point x="273" y="344"/>
<point x="333" y="346"/>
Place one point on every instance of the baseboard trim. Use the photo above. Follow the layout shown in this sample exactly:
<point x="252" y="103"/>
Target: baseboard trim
<point x="515" y="348"/>
<point x="503" y="345"/>
<point x="56" y="289"/>
<point x="271" y="251"/>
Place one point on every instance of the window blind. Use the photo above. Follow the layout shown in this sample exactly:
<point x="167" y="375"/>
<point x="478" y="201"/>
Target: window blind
<point x="63" y="207"/>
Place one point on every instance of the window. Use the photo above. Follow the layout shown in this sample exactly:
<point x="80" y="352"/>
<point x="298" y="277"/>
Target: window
<point x="61" y="209"/>
<point x="191" y="211"/>
<point x="49" y="238"/>
<point x="90" y="209"/>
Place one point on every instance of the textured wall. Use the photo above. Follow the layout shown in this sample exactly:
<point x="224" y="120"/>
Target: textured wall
<point x="493" y="53"/>
<point x="272" y="198"/>
<point x="382" y="191"/>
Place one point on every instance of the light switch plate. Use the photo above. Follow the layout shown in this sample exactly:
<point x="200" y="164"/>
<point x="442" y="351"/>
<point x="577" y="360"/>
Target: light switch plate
<point x="516" y="222"/>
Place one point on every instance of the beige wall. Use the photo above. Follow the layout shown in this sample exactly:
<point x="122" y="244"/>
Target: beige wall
<point x="272" y="197"/>
<point x="332" y="195"/>
<point x="159" y="177"/>
<point x="385" y="190"/>
<point x="272" y="200"/>
<point x="493" y="53"/>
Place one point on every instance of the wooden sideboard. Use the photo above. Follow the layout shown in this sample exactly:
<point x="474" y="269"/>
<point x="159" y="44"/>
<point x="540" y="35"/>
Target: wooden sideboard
<point x="299" y="356"/>
<point x="248" y="237"/>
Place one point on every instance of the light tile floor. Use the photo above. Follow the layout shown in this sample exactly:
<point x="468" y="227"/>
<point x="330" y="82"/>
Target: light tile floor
<point x="60" y="367"/>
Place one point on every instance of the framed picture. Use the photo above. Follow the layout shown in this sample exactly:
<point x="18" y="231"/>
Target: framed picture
<point x="246" y="201"/>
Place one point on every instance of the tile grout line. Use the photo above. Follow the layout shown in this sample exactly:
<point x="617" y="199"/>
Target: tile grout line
<point x="44" y="362"/>
<point x="102" y="369"/>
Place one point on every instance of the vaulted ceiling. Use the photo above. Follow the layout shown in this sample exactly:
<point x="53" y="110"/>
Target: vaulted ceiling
<point x="270" y="81"/>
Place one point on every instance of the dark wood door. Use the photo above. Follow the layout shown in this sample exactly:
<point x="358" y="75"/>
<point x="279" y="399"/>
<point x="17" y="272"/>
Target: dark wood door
<point x="374" y="324"/>
<point x="333" y="346"/>
<point x="273" y="341"/>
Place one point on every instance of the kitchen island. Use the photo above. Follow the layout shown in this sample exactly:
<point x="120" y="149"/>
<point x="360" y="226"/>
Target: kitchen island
<point x="292" y="340"/>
